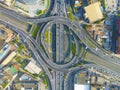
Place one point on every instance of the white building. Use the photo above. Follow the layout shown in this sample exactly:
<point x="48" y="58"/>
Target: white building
<point x="32" y="68"/>
<point x="81" y="87"/>
<point x="111" y="5"/>
<point x="8" y="59"/>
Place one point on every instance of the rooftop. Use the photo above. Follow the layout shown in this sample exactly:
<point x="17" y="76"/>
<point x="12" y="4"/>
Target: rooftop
<point x="111" y="5"/>
<point x="81" y="87"/>
<point x="32" y="68"/>
<point x="93" y="12"/>
<point x="9" y="58"/>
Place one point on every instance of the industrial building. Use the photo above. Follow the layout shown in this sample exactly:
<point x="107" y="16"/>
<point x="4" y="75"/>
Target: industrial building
<point x="32" y="68"/>
<point x="8" y="59"/>
<point x="93" y="12"/>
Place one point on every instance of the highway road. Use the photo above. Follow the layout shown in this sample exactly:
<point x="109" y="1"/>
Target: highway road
<point x="13" y="21"/>
<point x="26" y="19"/>
<point x="50" y="64"/>
<point x="111" y="62"/>
<point x="99" y="61"/>
<point x="56" y="78"/>
<point x="69" y="80"/>
<point x="43" y="43"/>
<point x="59" y="8"/>
<point x="59" y="43"/>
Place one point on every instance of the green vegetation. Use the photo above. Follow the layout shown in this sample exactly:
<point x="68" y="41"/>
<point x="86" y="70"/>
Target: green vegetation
<point x="79" y="64"/>
<point x="13" y="70"/>
<point x="20" y="48"/>
<point x="16" y="40"/>
<point x="103" y="3"/>
<point x="30" y="55"/>
<point x="80" y="49"/>
<point x="36" y="75"/>
<point x="75" y="9"/>
<point x="43" y="76"/>
<point x="73" y="48"/>
<point x="26" y="71"/>
<point x="85" y="26"/>
<point x="47" y="35"/>
<point x="23" y="63"/>
<point x="35" y="31"/>
<point x="70" y="14"/>
<point x="4" y="84"/>
<point x="118" y="14"/>
<point x="85" y="53"/>
<point x="18" y="58"/>
<point x="99" y="21"/>
<point x="40" y="12"/>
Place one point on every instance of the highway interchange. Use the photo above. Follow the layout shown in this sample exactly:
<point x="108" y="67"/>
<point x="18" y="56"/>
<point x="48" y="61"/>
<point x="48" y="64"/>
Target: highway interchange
<point x="60" y="74"/>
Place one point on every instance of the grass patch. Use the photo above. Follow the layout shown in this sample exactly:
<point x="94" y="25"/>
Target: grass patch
<point x="17" y="40"/>
<point x="23" y="63"/>
<point x="39" y="12"/>
<point x="43" y="76"/>
<point x="70" y="14"/>
<point x="18" y="58"/>
<point x="20" y="48"/>
<point x="80" y="49"/>
<point x="48" y="36"/>
<point x="118" y="14"/>
<point x="85" y="53"/>
<point x="73" y="48"/>
<point x="4" y="84"/>
<point x="103" y="3"/>
<point x="36" y="75"/>
<point x="79" y="64"/>
<point x="35" y="31"/>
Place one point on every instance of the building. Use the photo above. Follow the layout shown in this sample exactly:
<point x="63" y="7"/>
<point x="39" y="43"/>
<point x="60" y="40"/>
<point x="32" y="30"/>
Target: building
<point x="26" y="85"/>
<point x="77" y="3"/>
<point x="119" y="36"/>
<point x="93" y="12"/>
<point x="24" y="77"/>
<point x="8" y="59"/>
<point x="81" y="87"/>
<point x="111" y="5"/>
<point x="32" y="68"/>
<point x="4" y="51"/>
<point x="7" y="77"/>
